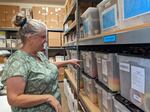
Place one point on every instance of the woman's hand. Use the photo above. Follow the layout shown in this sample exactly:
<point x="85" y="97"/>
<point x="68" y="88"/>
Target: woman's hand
<point x="55" y="103"/>
<point x="75" y="62"/>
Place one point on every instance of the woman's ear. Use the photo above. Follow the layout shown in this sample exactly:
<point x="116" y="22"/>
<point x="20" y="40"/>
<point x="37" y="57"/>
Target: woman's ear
<point x="28" y="36"/>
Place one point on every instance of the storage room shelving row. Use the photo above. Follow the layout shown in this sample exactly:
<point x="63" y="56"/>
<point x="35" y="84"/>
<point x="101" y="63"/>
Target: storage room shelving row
<point x="11" y="33"/>
<point x="128" y="37"/>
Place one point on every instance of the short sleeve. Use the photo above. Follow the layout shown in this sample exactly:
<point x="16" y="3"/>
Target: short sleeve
<point x="17" y="67"/>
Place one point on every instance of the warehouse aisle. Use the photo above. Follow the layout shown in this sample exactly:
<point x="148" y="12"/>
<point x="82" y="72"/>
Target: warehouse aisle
<point x="63" y="98"/>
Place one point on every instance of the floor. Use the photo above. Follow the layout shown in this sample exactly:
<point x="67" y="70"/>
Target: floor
<point x="63" y="98"/>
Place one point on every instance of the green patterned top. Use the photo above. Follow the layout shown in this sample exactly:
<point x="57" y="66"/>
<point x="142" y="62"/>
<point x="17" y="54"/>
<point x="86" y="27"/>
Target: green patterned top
<point x="40" y="77"/>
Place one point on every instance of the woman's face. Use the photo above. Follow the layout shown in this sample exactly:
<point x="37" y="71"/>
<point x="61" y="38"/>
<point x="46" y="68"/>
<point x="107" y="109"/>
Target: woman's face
<point x="38" y="41"/>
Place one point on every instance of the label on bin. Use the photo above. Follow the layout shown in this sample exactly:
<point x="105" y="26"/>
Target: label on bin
<point x="104" y="67"/>
<point x="110" y="38"/>
<point x="138" y="79"/>
<point x="137" y="98"/>
<point x="124" y="67"/>
<point x="98" y="60"/>
<point x="87" y="62"/>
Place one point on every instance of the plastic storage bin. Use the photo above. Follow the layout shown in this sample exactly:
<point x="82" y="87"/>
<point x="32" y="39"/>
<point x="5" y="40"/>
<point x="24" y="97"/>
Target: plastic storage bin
<point x="99" y="66"/>
<point x="108" y="14"/>
<point x="135" y="79"/>
<point x="108" y="70"/>
<point x="119" y="107"/>
<point x="74" y="54"/>
<point x="105" y="97"/>
<point x="83" y="62"/>
<point x="133" y="13"/>
<point x="89" y="88"/>
<point x="123" y="105"/>
<point x="90" y="19"/>
<point x="99" y="95"/>
<point x="68" y="54"/>
<point x="146" y="103"/>
<point x="91" y="66"/>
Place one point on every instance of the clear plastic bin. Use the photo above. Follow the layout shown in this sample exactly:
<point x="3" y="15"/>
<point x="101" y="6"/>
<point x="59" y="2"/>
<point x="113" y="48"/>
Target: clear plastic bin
<point x="75" y="73"/>
<point x="134" y="13"/>
<point x="119" y="107"/>
<point x="83" y="62"/>
<point x="89" y="88"/>
<point x="91" y="66"/>
<point x="105" y="97"/>
<point x="108" y="70"/>
<point x="123" y="105"/>
<point x="91" y="24"/>
<point x="68" y="54"/>
<point x="74" y="54"/>
<point x="99" y="95"/>
<point x="108" y="14"/>
<point x="135" y="79"/>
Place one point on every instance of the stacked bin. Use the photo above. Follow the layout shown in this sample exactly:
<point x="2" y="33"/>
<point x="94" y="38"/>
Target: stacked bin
<point x="91" y="24"/>
<point x="83" y="58"/>
<point x="90" y="67"/>
<point x="108" y="70"/>
<point x="123" y="105"/>
<point x="105" y="97"/>
<point x="89" y="88"/>
<point x="75" y="73"/>
<point x="119" y="107"/>
<point x="74" y="54"/>
<point x="108" y="14"/>
<point x="68" y="55"/>
<point x="133" y="15"/>
<point x="135" y="79"/>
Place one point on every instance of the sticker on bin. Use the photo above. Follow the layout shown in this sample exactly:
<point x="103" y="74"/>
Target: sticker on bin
<point x="88" y="62"/>
<point x="109" y="18"/>
<point x="137" y="98"/>
<point x="138" y="79"/>
<point x="124" y="67"/>
<point x="99" y="60"/>
<point x="110" y="38"/>
<point x="133" y="8"/>
<point x="104" y="67"/>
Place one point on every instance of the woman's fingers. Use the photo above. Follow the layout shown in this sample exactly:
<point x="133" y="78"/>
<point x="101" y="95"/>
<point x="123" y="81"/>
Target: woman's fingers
<point x="59" y="108"/>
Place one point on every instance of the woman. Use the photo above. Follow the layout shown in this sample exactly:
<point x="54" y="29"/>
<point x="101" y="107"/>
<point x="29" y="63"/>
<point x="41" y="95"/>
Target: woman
<point x="30" y="79"/>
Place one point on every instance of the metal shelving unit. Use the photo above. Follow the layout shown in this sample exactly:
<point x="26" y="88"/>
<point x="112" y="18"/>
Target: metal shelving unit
<point x="83" y="101"/>
<point x="11" y="33"/>
<point x="54" y="50"/>
<point x="70" y="13"/>
<point x="116" y="38"/>
<point x="72" y="27"/>
<point x="133" y="40"/>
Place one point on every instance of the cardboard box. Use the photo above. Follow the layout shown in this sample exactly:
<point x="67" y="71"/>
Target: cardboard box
<point x="54" y="39"/>
<point x="11" y="10"/>
<point x="7" y="12"/>
<point x="2" y="9"/>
